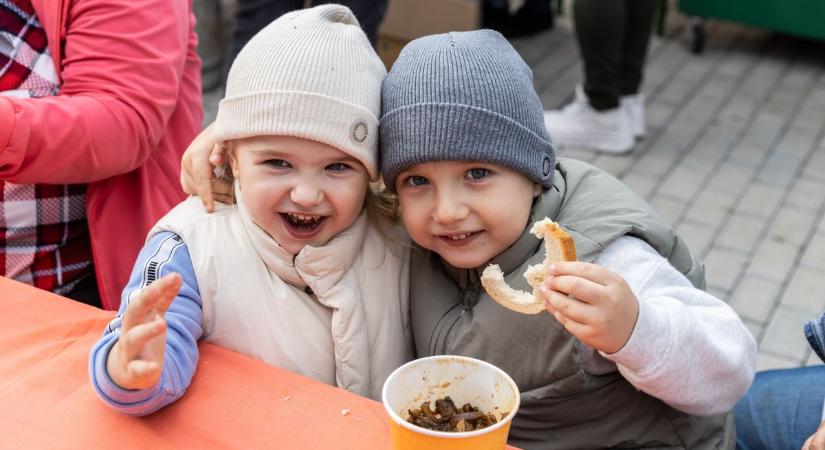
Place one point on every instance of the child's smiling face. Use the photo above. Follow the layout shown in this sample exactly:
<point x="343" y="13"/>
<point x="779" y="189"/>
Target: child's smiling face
<point x="466" y="212"/>
<point x="301" y="192"/>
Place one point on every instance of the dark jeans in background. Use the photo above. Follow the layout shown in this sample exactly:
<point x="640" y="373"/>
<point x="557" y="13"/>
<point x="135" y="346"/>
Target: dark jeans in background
<point x="613" y="37"/>
<point x="527" y="3"/>
<point x="211" y="41"/>
<point x="252" y="15"/>
<point x="781" y="410"/>
<point x="85" y="291"/>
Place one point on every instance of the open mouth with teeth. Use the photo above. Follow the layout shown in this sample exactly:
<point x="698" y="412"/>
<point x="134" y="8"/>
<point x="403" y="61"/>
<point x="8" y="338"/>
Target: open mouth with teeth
<point x="459" y="238"/>
<point x="303" y="224"/>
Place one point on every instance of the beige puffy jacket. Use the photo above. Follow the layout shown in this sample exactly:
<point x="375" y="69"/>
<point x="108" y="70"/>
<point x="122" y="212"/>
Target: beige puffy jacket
<point x="337" y="313"/>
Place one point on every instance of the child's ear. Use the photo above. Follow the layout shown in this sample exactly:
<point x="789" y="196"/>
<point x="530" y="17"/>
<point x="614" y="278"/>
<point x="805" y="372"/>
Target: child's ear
<point x="537" y="190"/>
<point x="232" y="155"/>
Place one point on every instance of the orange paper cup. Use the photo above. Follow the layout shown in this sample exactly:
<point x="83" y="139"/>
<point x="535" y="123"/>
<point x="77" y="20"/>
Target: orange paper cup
<point x="465" y="380"/>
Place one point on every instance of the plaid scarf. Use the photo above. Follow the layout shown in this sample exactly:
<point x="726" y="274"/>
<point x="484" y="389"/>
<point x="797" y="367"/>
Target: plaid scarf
<point x="44" y="238"/>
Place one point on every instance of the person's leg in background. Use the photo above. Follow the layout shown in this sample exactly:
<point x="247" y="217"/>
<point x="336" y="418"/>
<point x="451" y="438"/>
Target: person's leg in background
<point x="532" y="17"/>
<point x="781" y="409"/>
<point x="600" y="32"/>
<point x="638" y="28"/>
<point x="495" y="14"/>
<point x="211" y="41"/>
<point x="86" y="291"/>
<point x="250" y="17"/>
<point x="594" y="119"/>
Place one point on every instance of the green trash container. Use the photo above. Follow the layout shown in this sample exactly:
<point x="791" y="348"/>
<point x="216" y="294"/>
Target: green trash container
<point x="804" y="18"/>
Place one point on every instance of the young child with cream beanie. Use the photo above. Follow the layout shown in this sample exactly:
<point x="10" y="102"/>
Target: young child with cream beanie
<point x="295" y="274"/>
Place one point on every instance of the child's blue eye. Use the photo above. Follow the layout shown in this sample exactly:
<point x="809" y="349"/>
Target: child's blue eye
<point x="277" y="163"/>
<point x="338" y="167"/>
<point x="477" y="173"/>
<point x="416" y="180"/>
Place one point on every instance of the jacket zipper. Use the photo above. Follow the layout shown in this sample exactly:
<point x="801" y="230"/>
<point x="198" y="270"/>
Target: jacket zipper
<point x="449" y="330"/>
<point x="466" y="304"/>
<point x="439" y="326"/>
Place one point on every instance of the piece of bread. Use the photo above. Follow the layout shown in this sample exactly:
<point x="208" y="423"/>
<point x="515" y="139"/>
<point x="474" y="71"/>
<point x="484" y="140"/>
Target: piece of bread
<point x="559" y="246"/>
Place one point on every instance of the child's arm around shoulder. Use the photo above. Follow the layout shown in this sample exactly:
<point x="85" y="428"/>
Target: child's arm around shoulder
<point x="173" y="337"/>
<point x="687" y="348"/>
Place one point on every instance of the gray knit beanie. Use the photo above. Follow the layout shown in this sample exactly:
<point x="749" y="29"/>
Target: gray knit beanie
<point x="313" y="74"/>
<point x="463" y="97"/>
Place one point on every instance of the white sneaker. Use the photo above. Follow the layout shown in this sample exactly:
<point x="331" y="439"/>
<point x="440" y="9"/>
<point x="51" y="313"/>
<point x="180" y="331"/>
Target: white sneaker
<point x="634" y="105"/>
<point x="580" y="125"/>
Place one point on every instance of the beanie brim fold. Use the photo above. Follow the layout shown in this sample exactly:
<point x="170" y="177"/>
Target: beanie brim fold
<point x="427" y="132"/>
<point x="345" y="126"/>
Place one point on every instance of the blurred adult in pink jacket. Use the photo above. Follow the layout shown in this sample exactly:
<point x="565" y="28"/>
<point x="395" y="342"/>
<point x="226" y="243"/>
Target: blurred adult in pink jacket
<point x="98" y="100"/>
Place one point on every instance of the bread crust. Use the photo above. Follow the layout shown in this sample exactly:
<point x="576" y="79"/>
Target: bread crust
<point x="559" y="246"/>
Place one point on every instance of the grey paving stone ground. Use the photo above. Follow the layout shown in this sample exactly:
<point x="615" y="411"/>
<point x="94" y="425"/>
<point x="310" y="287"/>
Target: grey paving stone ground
<point x="734" y="157"/>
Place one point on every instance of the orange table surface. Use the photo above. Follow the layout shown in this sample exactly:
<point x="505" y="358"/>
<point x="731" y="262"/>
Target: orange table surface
<point x="234" y="401"/>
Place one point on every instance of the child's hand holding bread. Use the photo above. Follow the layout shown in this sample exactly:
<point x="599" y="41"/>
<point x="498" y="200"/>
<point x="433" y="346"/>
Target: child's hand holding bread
<point x="594" y="304"/>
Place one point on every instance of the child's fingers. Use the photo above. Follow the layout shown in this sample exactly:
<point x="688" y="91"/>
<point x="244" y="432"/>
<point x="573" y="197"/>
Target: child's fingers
<point x="817" y="441"/>
<point x="140" y="308"/>
<point x="168" y="287"/>
<point x="579" y="330"/>
<point x="225" y="199"/>
<point x="570" y="308"/>
<point x="134" y="340"/>
<point x="162" y="291"/>
<point x="568" y="323"/>
<point x="154" y="298"/>
<point x="223" y="191"/>
<point x="196" y="178"/>
<point x="807" y="444"/>
<point x="216" y="156"/>
<point x="589" y="271"/>
<point x="222" y="187"/>
<point x="548" y="306"/>
<point x="581" y="288"/>
<point x="196" y="168"/>
<point x="143" y="374"/>
<point x="199" y="177"/>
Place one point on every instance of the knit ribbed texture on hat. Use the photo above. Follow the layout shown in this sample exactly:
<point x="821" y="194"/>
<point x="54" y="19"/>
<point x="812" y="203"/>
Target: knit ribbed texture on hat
<point x="312" y="74"/>
<point x="463" y="97"/>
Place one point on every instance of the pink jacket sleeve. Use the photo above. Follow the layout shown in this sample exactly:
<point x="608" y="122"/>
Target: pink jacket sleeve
<point x="121" y="69"/>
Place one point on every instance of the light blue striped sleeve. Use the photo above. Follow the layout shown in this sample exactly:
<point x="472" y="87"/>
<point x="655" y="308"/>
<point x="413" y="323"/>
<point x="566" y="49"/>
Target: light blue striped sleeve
<point x="165" y="253"/>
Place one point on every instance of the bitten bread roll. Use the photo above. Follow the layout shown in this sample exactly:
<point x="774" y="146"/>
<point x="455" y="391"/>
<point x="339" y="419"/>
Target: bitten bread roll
<point x="559" y="246"/>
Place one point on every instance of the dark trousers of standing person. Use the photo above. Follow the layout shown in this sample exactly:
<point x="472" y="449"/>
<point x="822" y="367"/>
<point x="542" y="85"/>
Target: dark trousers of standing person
<point x="211" y="41"/>
<point x="252" y="15"/>
<point x="613" y="37"/>
<point x="607" y="113"/>
<point x="86" y="291"/>
<point x="533" y="16"/>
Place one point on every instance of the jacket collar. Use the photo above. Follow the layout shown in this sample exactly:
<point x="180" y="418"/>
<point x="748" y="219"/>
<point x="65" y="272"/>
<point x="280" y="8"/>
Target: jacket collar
<point x="322" y="266"/>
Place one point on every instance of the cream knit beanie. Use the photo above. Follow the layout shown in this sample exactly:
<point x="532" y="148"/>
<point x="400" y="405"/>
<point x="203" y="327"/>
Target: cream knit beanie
<point x="312" y="74"/>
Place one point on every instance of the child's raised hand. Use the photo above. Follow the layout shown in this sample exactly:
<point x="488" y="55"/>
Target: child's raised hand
<point x="594" y="304"/>
<point x="136" y="360"/>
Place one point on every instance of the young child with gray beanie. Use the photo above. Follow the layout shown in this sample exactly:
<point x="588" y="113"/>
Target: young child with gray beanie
<point x="635" y="353"/>
<point x="295" y="274"/>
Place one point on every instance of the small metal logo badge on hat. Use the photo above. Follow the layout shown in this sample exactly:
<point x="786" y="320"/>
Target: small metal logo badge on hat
<point x="546" y="166"/>
<point x="359" y="131"/>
